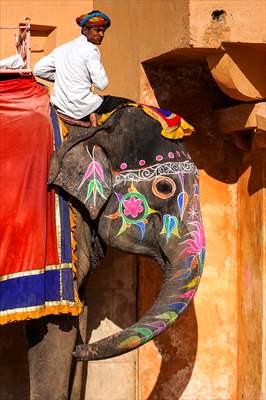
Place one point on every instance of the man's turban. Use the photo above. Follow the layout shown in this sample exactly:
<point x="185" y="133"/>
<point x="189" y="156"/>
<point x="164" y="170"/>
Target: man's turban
<point x="94" y="19"/>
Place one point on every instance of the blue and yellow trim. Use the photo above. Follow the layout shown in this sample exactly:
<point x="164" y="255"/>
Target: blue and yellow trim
<point x="36" y="293"/>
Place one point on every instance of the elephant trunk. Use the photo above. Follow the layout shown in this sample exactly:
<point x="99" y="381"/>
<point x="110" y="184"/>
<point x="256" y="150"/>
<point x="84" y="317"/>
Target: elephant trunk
<point x="181" y="281"/>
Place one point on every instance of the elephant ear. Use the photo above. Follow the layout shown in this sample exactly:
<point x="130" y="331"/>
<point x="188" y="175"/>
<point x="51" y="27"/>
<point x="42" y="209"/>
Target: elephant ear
<point x="85" y="173"/>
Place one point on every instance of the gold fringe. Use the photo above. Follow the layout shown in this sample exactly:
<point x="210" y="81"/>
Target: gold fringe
<point x="46" y="310"/>
<point x="73" y="226"/>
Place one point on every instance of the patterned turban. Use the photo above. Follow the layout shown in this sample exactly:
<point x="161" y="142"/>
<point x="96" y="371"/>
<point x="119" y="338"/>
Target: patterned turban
<point x="94" y="19"/>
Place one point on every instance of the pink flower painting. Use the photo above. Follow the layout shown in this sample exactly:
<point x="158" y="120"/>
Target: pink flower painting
<point x="133" y="207"/>
<point x="195" y="245"/>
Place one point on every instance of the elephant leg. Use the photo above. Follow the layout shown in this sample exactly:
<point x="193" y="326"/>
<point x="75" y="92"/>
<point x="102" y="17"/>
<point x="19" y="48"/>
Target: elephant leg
<point x="51" y="341"/>
<point x="79" y="372"/>
<point x="14" y="379"/>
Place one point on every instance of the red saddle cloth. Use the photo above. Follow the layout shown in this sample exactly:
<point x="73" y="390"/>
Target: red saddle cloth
<point x="35" y="279"/>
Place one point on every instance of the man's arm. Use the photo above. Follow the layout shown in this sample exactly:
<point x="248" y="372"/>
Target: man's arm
<point x="45" y="68"/>
<point x="15" y="62"/>
<point x="96" y="70"/>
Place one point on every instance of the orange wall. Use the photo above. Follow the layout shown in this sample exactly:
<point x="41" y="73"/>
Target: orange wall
<point x="140" y="30"/>
<point x="252" y="276"/>
<point x="244" y="22"/>
<point x="58" y="13"/>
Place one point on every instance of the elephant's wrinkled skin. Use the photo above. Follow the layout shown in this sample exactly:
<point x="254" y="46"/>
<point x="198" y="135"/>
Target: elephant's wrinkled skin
<point x="143" y="189"/>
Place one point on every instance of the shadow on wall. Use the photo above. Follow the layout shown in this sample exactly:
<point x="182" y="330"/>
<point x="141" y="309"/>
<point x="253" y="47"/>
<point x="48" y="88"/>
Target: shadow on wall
<point x="189" y="89"/>
<point x="176" y="347"/>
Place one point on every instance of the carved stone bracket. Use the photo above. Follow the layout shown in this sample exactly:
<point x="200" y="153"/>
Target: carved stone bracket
<point x="246" y="121"/>
<point x="239" y="70"/>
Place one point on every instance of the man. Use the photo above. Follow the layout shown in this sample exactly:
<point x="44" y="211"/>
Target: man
<point x="75" y="68"/>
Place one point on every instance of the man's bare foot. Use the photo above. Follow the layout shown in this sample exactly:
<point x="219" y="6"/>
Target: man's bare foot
<point x="93" y="119"/>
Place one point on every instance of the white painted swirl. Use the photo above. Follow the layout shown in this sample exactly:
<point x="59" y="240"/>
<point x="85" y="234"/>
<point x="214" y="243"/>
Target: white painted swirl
<point x="143" y="174"/>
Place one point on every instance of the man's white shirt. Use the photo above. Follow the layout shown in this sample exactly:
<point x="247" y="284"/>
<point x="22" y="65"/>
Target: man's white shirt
<point x="74" y="67"/>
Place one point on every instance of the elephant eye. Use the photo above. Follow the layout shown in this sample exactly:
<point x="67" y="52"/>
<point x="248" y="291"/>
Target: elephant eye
<point x="163" y="187"/>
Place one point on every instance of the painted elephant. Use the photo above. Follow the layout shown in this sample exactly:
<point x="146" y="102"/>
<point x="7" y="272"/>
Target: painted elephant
<point x="141" y="191"/>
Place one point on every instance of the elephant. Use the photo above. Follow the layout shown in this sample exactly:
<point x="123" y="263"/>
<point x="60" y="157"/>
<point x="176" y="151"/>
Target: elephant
<point x="143" y="191"/>
<point x="138" y="192"/>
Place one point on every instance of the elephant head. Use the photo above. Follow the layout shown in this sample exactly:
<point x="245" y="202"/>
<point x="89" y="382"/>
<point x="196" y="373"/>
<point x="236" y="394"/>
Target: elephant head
<point x="143" y="190"/>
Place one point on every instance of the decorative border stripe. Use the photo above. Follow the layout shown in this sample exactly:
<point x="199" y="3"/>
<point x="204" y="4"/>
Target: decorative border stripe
<point x="35" y="290"/>
<point x="144" y="174"/>
<point x="35" y="272"/>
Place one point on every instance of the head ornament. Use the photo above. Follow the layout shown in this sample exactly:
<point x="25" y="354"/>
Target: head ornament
<point x="94" y="19"/>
